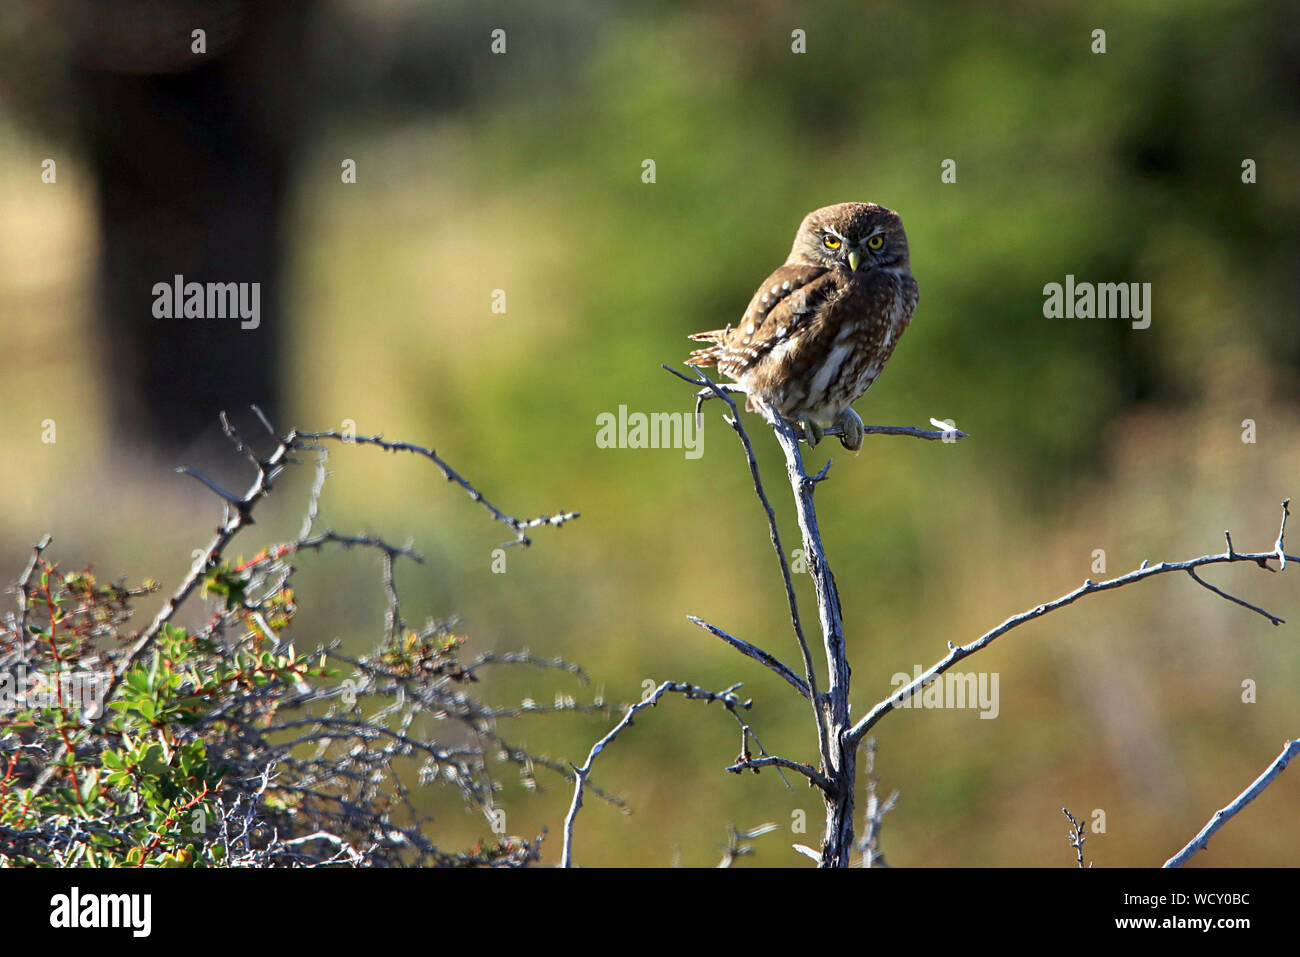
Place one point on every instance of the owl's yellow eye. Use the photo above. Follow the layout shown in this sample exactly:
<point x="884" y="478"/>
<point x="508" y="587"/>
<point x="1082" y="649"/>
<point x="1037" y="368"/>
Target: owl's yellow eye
<point x="875" y="242"/>
<point x="831" y="242"/>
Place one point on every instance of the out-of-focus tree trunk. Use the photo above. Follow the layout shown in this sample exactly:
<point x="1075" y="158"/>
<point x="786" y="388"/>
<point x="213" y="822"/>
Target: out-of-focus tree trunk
<point x="192" y="154"/>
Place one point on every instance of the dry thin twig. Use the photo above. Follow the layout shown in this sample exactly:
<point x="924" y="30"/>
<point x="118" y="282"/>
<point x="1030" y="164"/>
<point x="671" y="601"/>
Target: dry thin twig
<point x="758" y="654"/>
<point x="727" y="697"/>
<point x="1227" y="813"/>
<point x="1077" y="835"/>
<point x="516" y="525"/>
<point x="957" y="652"/>
<point x="869" y="846"/>
<point x="737" y="848"/>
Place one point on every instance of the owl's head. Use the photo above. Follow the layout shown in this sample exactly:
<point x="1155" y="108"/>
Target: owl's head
<point x="851" y="236"/>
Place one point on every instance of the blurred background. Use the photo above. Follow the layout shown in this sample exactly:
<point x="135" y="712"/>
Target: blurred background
<point x="522" y="171"/>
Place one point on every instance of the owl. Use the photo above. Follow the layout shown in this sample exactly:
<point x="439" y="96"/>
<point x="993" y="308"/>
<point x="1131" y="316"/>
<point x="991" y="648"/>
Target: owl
<point x="820" y="328"/>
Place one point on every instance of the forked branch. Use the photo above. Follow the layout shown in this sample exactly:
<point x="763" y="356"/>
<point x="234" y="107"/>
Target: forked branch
<point x="837" y="740"/>
<point x="957" y="652"/>
<point x="728" y="698"/>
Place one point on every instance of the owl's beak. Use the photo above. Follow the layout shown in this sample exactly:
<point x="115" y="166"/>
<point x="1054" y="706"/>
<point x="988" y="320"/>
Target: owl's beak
<point x="855" y="259"/>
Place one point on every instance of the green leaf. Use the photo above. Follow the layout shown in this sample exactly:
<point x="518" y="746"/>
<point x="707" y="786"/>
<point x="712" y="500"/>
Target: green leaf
<point x="90" y="787"/>
<point x="152" y="761"/>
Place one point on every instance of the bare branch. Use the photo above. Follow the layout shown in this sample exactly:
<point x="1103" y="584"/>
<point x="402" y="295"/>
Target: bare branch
<point x="233" y="434"/>
<point x="1278" y="547"/>
<point x="728" y="697"/>
<point x="317" y="488"/>
<point x="23" y="587"/>
<point x="930" y="434"/>
<point x="951" y="434"/>
<point x="1233" y="598"/>
<point x="516" y="525"/>
<point x="230" y="498"/>
<point x="1077" y="836"/>
<point x="957" y="652"/>
<point x="772" y="761"/>
<point x="1225" y="814"/>
<point x="828" y="601"/>
<point x="869" y="846"/>
<point x="524" y="658"/>
<point x="393" y="620"/>
<point x="831" y="710"/>
<point x="736" y="848"/>
<point x="331" y="537"/>
<point x="758" y="654"/>
<point x="810" y="672"/>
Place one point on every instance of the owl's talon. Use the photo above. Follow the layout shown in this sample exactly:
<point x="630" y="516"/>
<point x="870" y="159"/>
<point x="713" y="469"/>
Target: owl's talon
<point x="812" y="432"/>
<point x="851" y="423"/>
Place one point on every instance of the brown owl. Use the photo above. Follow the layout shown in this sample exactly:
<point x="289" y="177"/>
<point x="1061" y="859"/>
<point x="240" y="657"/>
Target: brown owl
<point x="820" y="329"/>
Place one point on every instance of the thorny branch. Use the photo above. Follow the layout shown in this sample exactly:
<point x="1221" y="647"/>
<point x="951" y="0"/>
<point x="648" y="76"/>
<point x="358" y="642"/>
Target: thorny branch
<point x="238" y="515"/>
<point x="351" y="755"/>
<point x="516" y="525"/>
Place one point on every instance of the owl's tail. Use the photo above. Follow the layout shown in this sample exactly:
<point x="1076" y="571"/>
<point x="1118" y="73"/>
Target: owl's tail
<point x="710" y="356"/>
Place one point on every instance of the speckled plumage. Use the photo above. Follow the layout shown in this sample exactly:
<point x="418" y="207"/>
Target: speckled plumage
<point x="818" y="332"/>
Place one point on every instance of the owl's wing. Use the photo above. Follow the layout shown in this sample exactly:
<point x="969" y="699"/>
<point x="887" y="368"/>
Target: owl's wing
<point x="781" y="310"/>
